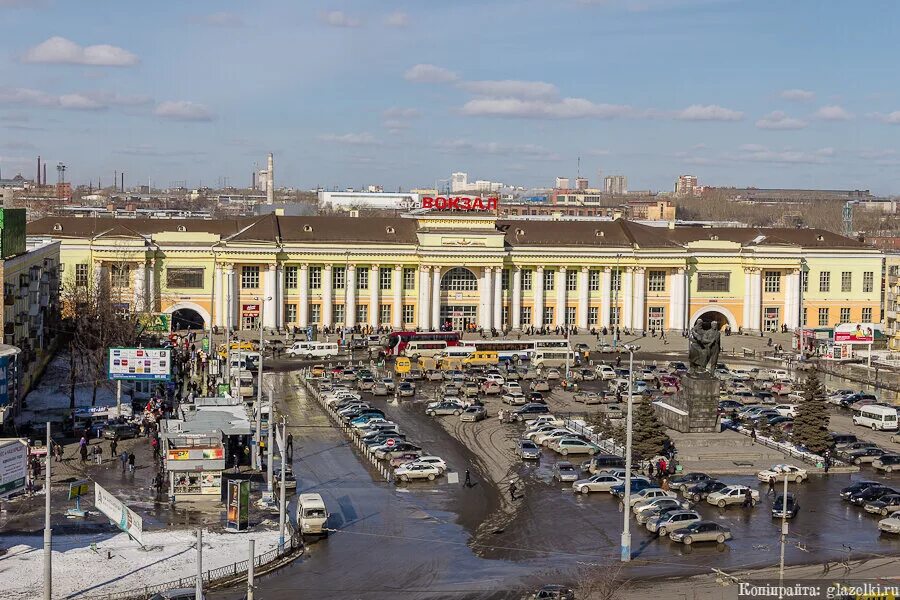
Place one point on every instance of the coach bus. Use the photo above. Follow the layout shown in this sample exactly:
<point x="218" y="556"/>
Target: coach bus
<point x="397" y="340"/>
<point x="505" y="349"/>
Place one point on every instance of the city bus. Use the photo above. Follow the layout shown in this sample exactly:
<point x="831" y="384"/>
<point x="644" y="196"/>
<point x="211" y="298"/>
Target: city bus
<point x="397" y="340"/>
<point x="505" y="349"/>
<point x="553" y="343"/>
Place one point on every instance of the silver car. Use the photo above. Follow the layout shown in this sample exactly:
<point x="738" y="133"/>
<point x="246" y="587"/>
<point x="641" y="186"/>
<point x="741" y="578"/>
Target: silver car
<point x="671" y="520"/>
<point x="701" y="531"/>
<point x="601" y="482"/>
<point x="528" y="450"/>
<point x="473" y="413"/>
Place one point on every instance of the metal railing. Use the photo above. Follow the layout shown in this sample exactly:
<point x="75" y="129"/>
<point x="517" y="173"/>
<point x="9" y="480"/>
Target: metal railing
<point x="608" y="445"/>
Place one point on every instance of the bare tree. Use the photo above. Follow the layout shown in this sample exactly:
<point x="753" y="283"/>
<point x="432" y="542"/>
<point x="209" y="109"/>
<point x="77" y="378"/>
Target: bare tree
<point x="600" y="582"/>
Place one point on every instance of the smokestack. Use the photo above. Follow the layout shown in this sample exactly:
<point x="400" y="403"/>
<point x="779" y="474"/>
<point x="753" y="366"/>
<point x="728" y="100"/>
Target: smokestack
<point x="38" y="181"/>
<point x="123" y="181"/>
<point x="270" y="188"/>
<point x="253" y="180"/>
<point x="115" y="179"/>
<point x="45" y="173"/>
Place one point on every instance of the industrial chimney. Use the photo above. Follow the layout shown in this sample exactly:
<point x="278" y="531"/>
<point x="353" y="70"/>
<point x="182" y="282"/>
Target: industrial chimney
<point x="270" y="188"/>
<point x="38" y="180"/>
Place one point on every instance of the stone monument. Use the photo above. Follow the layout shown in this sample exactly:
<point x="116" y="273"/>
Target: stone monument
<point x="694" y="407"/>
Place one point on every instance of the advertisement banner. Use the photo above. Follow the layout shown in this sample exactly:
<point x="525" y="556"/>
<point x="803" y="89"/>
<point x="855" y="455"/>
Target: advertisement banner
<point x="250" y="310"/>
<point x="140" y="363"/>
<point x="123" y="517"/>
<point x="156" y="322"/>
<point x="238" y="513"/>
<point x="13" y="466"/>
<point x="854" y="333"/>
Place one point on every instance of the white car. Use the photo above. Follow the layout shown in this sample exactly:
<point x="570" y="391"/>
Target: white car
<point x="643" y="511"/>
<point x="650" y="493"/>
<point x="605" y="372"/>
<point x="786" y="410"/>
<point x="779" y="472"/>
<point x="663" y="524"/>
<point x="512" y="387"/>
<point x="413" y="470"/>
<point x="567" y="445"/>
<point x="552" y="374"/>
<point x="373" y="424"/>
<point x="532" y="432"/>
<point x="544" y="420"/>
<point x="515" y="399"/>
<point x="890" y="525"/>
<point x="733" y="494"/>
<point x="434" y="461"/>
<point x="548" y="436"/>
<point x="601" y="482"/>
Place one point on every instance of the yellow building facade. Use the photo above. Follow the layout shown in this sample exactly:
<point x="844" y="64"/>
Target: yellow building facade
<point x="439" y="269"/>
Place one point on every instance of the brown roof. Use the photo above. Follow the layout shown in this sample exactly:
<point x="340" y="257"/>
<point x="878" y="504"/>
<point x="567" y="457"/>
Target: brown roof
<point x="786" y="236"/>
<point x="367" y="230"/>
<point x="616" y="233"/>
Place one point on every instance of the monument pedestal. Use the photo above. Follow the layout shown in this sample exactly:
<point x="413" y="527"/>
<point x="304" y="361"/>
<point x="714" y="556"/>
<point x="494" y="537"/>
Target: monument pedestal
<point x="694" y="408"/>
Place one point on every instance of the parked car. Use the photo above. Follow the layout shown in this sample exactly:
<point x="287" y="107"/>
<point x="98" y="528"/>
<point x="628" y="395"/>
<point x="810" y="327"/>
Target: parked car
<point x="839" y="440"/>
<point x="553" y="592"/>
<point x="885" y="505"/>
<point x="701" y="531"/>
<point x="540" y="385"/>
<point x="434" y="461"/>
<point x="444" y="407"/>
<point x="546" y="437"/>
<point x="385" y="451"/>
<point x="415" y="470"/>
<point x="605" y="372"/>
<point x="379" y="389"/>
<point x="865" y="455"/>
<point x="648" y="494"/>
<point x="601" y="482"/>
<point x="406" y="389"/>
<point x="779" y="472"/>
<point x="567" y="445"/>
<point x="733" y="494"/>
<point x="403" y="459"/>
<point x="474" y="413"/>
<point x="889" y="525"/>
<point x="637" y="484"/>
<point x="671" y="520"/>
<point x="687" y="480"/>
<point x="122" y="431"/>
<point x="528" y="450"/>
<point x="553" y="374"/>
<point x="787" y="509"/>
<point x="588" y="397"/>
<point x="887" y="463"/>
<point x="564" y="471"/>
<point x="491" y="387"/>
<point x="649" y="507"/>
<point x="847" y="492"/>
<point x="604" y="462"/>
<point x="871" y="494"/>
<point x="515" y="399"/>
<point x="531" y="411"/>
<point x="700" y="491"/>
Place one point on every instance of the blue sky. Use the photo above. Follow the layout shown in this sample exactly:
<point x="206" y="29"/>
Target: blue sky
<point x="402" y="92"/>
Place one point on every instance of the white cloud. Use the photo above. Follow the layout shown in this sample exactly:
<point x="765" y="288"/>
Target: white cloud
<point x="79" y="102"/>
<point x="510" y="88"/>
<point x="338" y="18"/>
<point x="779" y="120"/>
<point x="526" y="151"/>
<point x="183" y="110"/>
<point x="708" y="112"/>
<point x="833" y="113"/>
<point x="61" y="51"/>
<point x="798" y="95"/>
<point x="892" y="118"/>
<point x="874" y="154"/>
<point x="117" y="99"/>
<point x="426" y="73"/>
<point x="397" y="19"/>
<point x="763" y="154"/>
<point x="220" y="19"/>
<point x="396" y="112"/>
<point x="353" y="139"/>
<point x="565" y="108"/>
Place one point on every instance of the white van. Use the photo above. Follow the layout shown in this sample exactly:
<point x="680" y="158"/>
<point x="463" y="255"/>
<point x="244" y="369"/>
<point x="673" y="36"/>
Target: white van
<point x="877" y="417"/>
<point x="553" y="357"/>
<point x="429" y="349"/>
<point x="313" y="350"/>
<point x="311" y="514"/>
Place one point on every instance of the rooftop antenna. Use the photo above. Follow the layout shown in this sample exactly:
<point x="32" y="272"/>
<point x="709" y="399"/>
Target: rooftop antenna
<point x="578" y="169"/>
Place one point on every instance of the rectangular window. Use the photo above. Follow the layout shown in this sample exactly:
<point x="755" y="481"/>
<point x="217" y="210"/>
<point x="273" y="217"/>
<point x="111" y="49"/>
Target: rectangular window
<point x="772" y="282"/>
<point x="868" y="282"/>
<point x="504" y="280"/>
<point x="81" y="275"/>
<point x="526" y="280"/>
<point x="409" y="313"/>
<point x="823" y="317"/>
<point x="290" y="313"/>
<point x="120" y="276"/>
<point x="315" y="279"/>
<point x="526" y="316"/>
<point x="184" y="278"/>
<point x="290" y="277"/>
<point x="548" y="315"/>
<point x="504" y="317"/>
<point x="593" y="316"/>
<point x="846" y="281"/>
<point x="571" y="280"/>
<point x="337" y="314"/>
<point x="614" y="312"/>
<point x="549" y="278"/>
<point x="806" y="317"/>
<point x="338" y="278"/>
<point x="656" y="281"/>
<point x="385" y="275"/>
<point x="409" y="282"/>
<point x="384" y="314"/>
<point x="315" y="314"/>
<point x="867" y="315"/>
<point x="571" y="317"/>
<point x="362" y="279"/>
<point x="845" y="315"/>
<point x="362" y="313"/>
<point x="249" y="278"/>
<point x="713" y="281"/>
<point x="594" y="280"/>
<point x="804" y="278"/>
<point x="825" y="281"/>
<point x="616" y="280"/>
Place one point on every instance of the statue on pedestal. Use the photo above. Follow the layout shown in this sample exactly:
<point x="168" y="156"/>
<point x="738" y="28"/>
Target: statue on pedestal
<point x="704" y="346"/>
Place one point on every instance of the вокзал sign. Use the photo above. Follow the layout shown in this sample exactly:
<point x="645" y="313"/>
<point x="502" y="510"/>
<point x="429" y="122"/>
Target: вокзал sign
<point x="460" y="203"/>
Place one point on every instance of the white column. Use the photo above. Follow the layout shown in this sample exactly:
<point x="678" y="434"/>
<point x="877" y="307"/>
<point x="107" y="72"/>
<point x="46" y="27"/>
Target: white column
<point x="350" y="297"/>
<point x="794" y="278"/>
<point x="584" y="298"/>
<point x="627" y="296"/>
<point x="605" y="296"/>
<point x="219" y="293"/>
<point x="487" y="289"/>
<point x="279" y="296"/>
<point x="151" y="286"/>
<point x="515" y="308"/>
<point x="685" y="299"/>
<point x="230" y="291"/>
<point x="640" y="293"/>
<point x="374" y="287"/>
<point x="397" y="285"/>
<point x="303" y="285"/>
<point x="269" y="318"/>
<point x="561" y="297"/>
<point x="498" y="298"/>
<point x="676" y="298"/>
<point x="327" y="297"/>
<point x="787" y="307"/>
<point x="537" y="285"/>
<point x="424" y="300"/>
<point x="436" y="298"/>
<point x="138" y="278"/>
<point x="748" y="301"/>
<point x="756" y="307"/>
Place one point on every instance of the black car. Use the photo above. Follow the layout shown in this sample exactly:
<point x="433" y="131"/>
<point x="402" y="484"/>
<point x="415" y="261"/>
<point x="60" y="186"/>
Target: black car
<point x="122" y="431"/>
<point x="857" y="487"/>
<point x="842" y="439"/>
<point x="703" y="489"/>
<point x="786" y="508"/>
<point x="688" y="480"/>
<point x="531" y="409"/>
<point x="554" y="592"/>
<point x="607" y="461"/>
<point x="871" y="494"/>
<point x="730" y="405"/>
<point x="865" y="455"/>
<point x="536" y="397"/>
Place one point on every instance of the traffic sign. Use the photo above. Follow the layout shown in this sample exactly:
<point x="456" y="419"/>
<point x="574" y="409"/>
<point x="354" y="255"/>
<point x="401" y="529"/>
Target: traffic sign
<point x="390" y="443"/>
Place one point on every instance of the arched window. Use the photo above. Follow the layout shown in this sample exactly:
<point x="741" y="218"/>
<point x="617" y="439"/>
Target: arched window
<point x="458" y="280"/>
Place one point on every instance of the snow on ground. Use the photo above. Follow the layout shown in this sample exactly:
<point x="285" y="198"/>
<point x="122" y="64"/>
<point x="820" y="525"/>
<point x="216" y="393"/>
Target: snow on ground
<point x="52" y="392"/>
<point x="80" y="570"/>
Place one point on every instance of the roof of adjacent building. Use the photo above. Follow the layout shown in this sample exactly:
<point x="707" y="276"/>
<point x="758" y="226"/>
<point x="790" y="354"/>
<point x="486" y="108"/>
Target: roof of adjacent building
<point x="399" y="230"/>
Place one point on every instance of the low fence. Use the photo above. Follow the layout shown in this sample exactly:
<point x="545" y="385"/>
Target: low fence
<point x="606" y="444"/>
<point x="352" y="434"/>
<point x="807" y="457"/>
<point x="221" y="577"/>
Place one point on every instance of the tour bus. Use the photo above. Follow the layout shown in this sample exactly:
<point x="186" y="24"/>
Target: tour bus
<point x="397" y="340"/>
<point x="553" y="358"/>
<point x="313" y="349"/>
<point x="877" y="416"/>
<point x="431" y="348"/>
<point x="505" y="349"/>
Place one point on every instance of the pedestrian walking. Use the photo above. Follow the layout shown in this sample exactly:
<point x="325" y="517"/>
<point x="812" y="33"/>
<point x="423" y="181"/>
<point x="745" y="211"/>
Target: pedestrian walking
<point x="748" y="498"/>
<point x="290" y="446"/>
<point x="98" y="455"/>
<point x="771" y="489"/>
<point x="468" y="482"/>
<point x="131" y="462"/>
<point x="665" y="484"/>
<point x="84" y="453"/>
<point x="57" y="452"/>
<point x="650" y="470"/>
<point x="113" y="445"/>
<point x="123" y="458"/>
<point x="512" y="490"/>
<point x="154" y="443"/>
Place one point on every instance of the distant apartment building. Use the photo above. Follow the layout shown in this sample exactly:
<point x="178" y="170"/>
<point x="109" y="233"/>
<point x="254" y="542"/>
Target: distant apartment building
<point x="651" y="210"/>
<point x="459" y="182"/>
<point x="686" y="185"/>
<point x="615" y="185"/>
<point x="581" y="183"/>
<point x="891" y="309"/>
<point x="562" y="183"/>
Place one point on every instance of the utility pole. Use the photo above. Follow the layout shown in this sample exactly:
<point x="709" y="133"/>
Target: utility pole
<point x="270" y="451"/>
<point x="250" y="565"/>
<point x="784" y="532"/>
<point x="198" y="591"/>
<point x="626" y="529"/>
<point x="257" y="457"/>
<point x="282" y="506"/>
<point x="48" y="544"/>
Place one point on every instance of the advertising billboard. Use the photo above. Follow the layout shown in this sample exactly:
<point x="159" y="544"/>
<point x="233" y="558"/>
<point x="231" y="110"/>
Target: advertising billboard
<point x="238" y="506"/>
<point x="854" y="333"/>
<point x="13" y="466"/>
<point x="156" y="322"/>
<point x="123" y="517"/>
<point x="140" y="363"/>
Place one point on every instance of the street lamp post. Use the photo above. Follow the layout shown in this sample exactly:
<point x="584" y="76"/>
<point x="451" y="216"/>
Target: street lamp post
<point x="626" y="528"/>
<point x="257" y="456"/>
<point x="615" y="330"/>
<point x="784" y="532"/>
